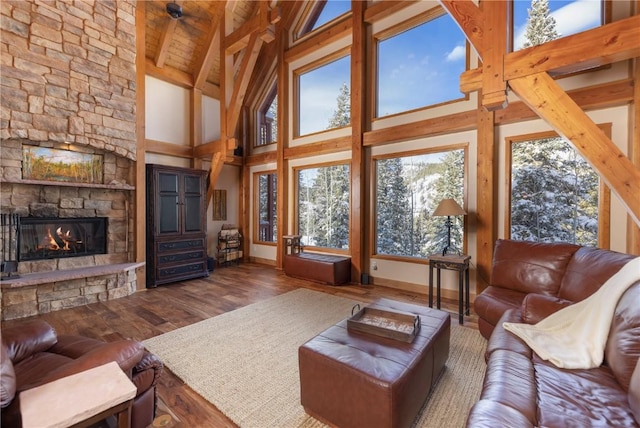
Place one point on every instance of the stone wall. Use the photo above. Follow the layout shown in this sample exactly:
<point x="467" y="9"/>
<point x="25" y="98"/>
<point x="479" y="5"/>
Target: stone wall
<point x="68" y="81"/>
<point x="68" y="73"/>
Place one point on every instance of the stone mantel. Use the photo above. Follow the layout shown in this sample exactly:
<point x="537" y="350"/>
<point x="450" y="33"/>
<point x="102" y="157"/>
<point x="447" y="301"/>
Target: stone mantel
<point x="113" y="186"/>
<point x="30" y="279"/>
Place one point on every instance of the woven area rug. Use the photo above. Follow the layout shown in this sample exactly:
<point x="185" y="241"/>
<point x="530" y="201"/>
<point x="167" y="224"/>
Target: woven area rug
<point x="245" y="362"/>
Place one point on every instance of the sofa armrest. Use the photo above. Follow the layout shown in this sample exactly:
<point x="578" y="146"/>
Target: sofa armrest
<point x="28" y="339"/>
<point x="126" y="353"/>
<point x="536" y="307"/>
<point x="147" y="371"/>
<point x="504" y="339"/>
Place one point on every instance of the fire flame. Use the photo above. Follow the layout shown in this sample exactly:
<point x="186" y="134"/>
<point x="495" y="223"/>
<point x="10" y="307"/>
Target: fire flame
<point x="49" y="242"/>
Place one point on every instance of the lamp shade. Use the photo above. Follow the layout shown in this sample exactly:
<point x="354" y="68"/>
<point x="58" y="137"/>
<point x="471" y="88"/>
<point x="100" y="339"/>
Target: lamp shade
<point x="449" y="207"/>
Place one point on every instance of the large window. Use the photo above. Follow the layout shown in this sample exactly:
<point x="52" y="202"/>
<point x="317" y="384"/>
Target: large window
<point x="408" y="190"/>
<point x="323" y="206"/>
<point x="539" y="21"/>
<point x="266" y="215"/>
<point x="420" y="66"/>
<point x="555" y="195"/>
<point x="324" y="100"/>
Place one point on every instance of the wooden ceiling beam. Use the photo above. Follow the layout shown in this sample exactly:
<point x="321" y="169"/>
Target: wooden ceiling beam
<point x="239" y="39"/>
<point x="205" y="62"/>
<point x="242" y="82"/>
<point x="169" y="74"/>
<point x="164" y="148"/>
<point x="607" y="44"/>
<point x="471" y="20"/>
<point x="603" y="45"/>
<point x="544" y="96"/>
<point x="165" y="41"/>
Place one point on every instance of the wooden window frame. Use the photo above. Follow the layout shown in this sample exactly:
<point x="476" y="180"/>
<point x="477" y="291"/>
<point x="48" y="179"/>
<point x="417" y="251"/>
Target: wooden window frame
<point x="406" y="25"/>
<point x="296" y="202"/>
<point x="256" y="207"/>
<point x="312" y="66"/>
<point x="374" y="191"/>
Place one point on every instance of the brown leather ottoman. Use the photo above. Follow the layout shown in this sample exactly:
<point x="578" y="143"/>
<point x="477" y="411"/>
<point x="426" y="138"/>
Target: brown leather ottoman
<point x="351" y="379"/>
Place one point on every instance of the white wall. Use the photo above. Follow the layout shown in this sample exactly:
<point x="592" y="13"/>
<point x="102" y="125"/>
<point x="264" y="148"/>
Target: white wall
<point x="166" y="112"/>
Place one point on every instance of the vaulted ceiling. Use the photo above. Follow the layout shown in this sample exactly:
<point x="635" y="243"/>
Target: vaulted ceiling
<point x="175" y="49"/>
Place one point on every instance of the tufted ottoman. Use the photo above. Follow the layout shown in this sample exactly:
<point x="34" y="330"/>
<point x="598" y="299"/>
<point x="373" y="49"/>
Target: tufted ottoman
<point x="361" y="380"/>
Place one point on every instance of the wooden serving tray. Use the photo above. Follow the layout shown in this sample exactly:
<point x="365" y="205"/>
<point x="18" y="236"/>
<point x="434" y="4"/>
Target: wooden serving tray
<point x="385" y="323"/>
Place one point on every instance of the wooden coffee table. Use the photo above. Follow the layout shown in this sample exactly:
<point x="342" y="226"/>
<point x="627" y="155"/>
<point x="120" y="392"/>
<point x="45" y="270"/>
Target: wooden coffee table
<point x="80" y="400"/>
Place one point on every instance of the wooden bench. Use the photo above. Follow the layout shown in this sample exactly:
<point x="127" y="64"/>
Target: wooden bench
<point x="324" y="268"/>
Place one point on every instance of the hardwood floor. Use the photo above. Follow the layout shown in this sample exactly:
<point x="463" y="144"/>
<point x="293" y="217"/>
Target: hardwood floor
<point x="156" y="311"/>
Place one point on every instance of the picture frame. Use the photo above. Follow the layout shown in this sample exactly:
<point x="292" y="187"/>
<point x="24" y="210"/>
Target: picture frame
<point x="219" y="205"/>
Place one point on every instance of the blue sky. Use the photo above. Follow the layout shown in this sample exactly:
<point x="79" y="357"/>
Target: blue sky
<point x="421" y="66"/>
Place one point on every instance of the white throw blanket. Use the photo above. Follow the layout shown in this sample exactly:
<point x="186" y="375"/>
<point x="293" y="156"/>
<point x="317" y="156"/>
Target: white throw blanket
<point x="575" y="336"/>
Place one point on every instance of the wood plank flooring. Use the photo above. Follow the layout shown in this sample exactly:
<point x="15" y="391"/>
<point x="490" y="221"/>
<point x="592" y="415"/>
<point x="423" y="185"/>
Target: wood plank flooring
<point x="156" y="311"/>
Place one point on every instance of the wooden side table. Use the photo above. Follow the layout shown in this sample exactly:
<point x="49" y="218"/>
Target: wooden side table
<point x="458" y="263"/>
<point x="80" y="400"/>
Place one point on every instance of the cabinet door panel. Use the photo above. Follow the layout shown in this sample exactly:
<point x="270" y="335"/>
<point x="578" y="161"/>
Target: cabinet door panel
<point x="169" y="221"/>
<point x="192" y="214"/>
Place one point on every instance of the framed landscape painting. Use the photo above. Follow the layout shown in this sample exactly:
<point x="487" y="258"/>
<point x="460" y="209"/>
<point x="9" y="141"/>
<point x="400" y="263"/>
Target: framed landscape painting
<point x="39" y="163"/>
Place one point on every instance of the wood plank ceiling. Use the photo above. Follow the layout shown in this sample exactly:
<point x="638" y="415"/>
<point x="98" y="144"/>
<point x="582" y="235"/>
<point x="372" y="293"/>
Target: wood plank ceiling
<point x="175" y="48"/>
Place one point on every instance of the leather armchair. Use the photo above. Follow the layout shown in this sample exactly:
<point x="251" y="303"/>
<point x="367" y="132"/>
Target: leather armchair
<point x="33" y="354"/>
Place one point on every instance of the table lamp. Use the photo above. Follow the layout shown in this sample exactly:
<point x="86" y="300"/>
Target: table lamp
<point x="448" y="207"/>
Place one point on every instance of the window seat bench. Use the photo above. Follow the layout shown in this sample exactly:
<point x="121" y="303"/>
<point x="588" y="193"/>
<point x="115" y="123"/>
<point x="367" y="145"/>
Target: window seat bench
<point x="324" y="268"/>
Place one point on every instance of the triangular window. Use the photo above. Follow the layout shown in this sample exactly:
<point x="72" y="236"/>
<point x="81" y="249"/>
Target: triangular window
<point x="318" y="13"/>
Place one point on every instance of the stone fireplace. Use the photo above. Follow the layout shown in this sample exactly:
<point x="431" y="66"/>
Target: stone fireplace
<point x="69" y="84"/>
<point x="58" y="237"/>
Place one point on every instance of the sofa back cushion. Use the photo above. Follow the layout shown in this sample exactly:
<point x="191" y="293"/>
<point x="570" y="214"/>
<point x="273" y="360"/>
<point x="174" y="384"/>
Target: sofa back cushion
<point x="623" y="345"/>
<point x="588" y="269"/>
<point x="530" y="267"/>
<point x="26" y="339"/>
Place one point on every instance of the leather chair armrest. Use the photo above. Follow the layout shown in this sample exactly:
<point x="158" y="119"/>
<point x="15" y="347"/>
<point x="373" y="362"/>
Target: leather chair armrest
<point x="27" y="339"/>
<point x="536" y="307"/>
<point x="126" y="353"/>
<point x="7" y="378"/>
<point x="148" y="363"/>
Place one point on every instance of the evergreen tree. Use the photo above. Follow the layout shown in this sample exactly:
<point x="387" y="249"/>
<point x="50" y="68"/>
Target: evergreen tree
<point x="393" y="214"/>
<point x="330" y="207"/>
<point x="342" y="114"/>
<point x="541" y="26"/>
<point x="554" y="196"/>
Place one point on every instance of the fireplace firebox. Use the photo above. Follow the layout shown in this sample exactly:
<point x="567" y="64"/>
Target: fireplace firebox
<point x="50" y="238"/>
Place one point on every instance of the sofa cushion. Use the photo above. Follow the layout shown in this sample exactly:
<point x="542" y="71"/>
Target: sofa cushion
<point x="494" y="301"/>
<point x="623" y="345"/>
<point x="588" y="269"/>
<point x="7" y="378"/>
<point x="586" y="398"/>
<point x="537" y="307"/>
<point x="530" y="267"/>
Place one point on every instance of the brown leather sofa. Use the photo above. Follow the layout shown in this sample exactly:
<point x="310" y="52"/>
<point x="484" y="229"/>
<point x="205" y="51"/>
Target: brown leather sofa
<point x="542" y="278"/>
<point x="33" y="354"/>
<point x="529" y="281"/>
